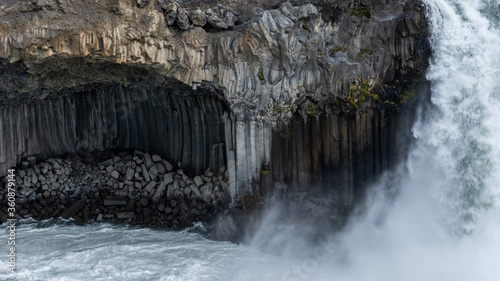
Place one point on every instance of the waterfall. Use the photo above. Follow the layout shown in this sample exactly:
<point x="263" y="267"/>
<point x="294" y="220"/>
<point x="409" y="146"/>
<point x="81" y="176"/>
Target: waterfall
<point x="443" y="224"/>
<point x="463" y="132"/>
<point x="436" y="217"/>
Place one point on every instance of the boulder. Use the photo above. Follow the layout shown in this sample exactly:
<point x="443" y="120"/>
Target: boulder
<point x="141" y="3"/>
<point x="198" y="17"/>
<point x="221" y="17"/>
<point x="115" y="201"/>
<point x="167" y="165"/>
<point x="183" y="19"/>
<point x="125" y="215"/>
<point x="159" y="192"/>
<point x="74" y="208"/>
<point x="148" y="161"/>
<point x="150" y="186"/>
<point x="170" y="12"/>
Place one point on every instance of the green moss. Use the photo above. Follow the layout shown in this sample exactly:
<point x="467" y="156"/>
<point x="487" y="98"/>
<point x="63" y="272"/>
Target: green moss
<point x="313" y="109"/>
<point x="404" y="88"/>
<point x="406" y="96"/>
<point x="260" y="75"/>
<point x="278" y="109"/>
<point x="358" y="92"/>
<point x="338" y="49"/>
<point x="265" y="172"/>
<point x="364" y="51"/>
<point x="362" y="11"/>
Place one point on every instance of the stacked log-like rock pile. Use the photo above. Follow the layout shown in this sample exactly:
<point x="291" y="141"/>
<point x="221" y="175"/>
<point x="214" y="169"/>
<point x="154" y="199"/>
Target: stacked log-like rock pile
<point x="136" y="188"/>
<point x="219" y="17"/>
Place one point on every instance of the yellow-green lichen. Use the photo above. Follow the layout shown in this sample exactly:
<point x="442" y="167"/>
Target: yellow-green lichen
<point x="338" y="49"/>
<point x="313" y="109"/>
<point x="406" y="96"/>
<point x="361" y="11"/>
<point x="364" y="51"/>
<point x="359" y="91"/>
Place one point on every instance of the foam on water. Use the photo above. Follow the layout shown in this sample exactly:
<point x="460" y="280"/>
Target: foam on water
<point x="60" y="250"/>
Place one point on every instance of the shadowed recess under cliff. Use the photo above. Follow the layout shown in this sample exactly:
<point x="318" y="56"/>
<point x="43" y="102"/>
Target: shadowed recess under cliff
<point x="336" y="155"/>
<point x="179" y="123"/>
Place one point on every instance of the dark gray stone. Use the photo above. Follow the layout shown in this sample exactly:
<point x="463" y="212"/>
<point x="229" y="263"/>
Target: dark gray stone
<point x="159" y="192"/>
<point x="130" y="174"/>
<point x="147" y="160"/>
<point x="145" y="173"/>
<point x="74" y="208"/>
<point x="170" y="12"/>
<point x="109" y="169"/>
<point x="142" y="3"/>
<point x="150" y="186"/>
<point x="195" y="191"/>
<point x="125" y="215"/>
<point x="183" y="19"/>
<point x="156" y="158"/>
<point x="120" y="167"/>
<point x="115" y="201"/>
<point x="154" y="171"/>
<point x="31" y="160"/>
<point x="170" y="191"/>
<point x="198" y="17"/>
<point x="160" y="168"/>
<point x="198" y="181"/>
<point x="224" y="227"/>
<point x="161" y="206"/>
<point x="107" y="162"/>
<point x="167" y="165"/>
<point x="187" y="191"/>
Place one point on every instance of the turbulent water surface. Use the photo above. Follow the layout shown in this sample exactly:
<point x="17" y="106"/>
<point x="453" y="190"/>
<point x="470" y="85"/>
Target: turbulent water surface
<point x="440" y="221"/>
<point x="61" y="250"/>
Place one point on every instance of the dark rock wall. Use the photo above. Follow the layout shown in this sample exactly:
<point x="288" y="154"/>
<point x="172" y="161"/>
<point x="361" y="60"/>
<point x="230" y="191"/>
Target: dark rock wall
<point x="183" y="127"/>
<point x="338" y="154"/>
<point x="275" y="59"/>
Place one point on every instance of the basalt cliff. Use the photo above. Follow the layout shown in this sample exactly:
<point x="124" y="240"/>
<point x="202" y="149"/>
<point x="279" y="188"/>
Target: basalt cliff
<point x="310" y="101"/>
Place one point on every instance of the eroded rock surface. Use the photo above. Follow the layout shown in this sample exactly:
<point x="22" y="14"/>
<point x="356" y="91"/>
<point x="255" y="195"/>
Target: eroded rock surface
<point x="279" y="57"/>
<point x="270" y="63"/>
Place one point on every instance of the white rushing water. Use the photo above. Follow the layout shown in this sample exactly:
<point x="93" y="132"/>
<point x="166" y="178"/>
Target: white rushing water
<point x="440" y="222"/>
<point x="61" y="250"/>
<point x="444" y="223"/>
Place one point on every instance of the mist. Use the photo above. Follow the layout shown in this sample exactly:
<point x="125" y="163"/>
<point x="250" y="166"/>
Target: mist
<point x="436" y="216"/>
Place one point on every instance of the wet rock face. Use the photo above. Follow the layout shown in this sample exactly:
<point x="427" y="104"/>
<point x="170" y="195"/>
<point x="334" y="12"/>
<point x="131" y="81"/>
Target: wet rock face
<point x="264" y="64"/>
<point x="180" y="124"/>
